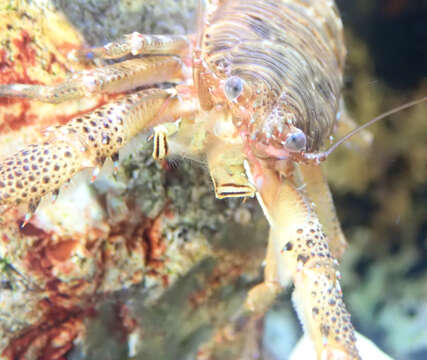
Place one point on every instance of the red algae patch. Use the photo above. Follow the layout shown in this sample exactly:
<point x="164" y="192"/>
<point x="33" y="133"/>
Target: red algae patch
<point x="155" y="246"/>
<point x="61" y="251"/>
<point x="51" y="338"/>
<point x="29" y="56"/>
<point x="72" y="274"/>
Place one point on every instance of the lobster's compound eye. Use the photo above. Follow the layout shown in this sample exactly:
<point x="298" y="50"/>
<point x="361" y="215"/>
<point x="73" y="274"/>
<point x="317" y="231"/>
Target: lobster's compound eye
<point x="233" y="87"/>
<point x="296" y="141"/>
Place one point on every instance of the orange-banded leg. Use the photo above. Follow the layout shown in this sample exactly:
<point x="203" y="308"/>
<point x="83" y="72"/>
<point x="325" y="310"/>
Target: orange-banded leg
<point x="136" y="44"/>
<point x="85" y="141"/>
<point x="228" y="174"/>
<point x="298" y="250"/>
<point x="109" y="79"/>
<point x="317" y="189"/>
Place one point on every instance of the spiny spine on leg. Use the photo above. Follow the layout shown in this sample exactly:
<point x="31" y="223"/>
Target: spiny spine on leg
<point x="85" y="141"/>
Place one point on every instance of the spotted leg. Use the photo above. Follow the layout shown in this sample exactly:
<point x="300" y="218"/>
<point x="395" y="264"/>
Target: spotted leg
<point x="299" y="251"/>
<point x="85" y="141"/>
<point x="367" y="349"/>
<point x="318" y="192"/>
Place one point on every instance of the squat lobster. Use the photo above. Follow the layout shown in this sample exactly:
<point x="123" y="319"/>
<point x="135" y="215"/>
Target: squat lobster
<point x="263" y="96"/>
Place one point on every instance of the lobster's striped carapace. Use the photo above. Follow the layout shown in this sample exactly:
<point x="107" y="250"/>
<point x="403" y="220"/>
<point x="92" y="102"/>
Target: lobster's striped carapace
<point x="290" y="54"/>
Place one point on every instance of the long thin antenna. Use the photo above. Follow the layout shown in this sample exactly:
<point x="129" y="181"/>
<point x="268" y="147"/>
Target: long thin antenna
<point x="374" y="120"/>
<point x="321" y="156"/>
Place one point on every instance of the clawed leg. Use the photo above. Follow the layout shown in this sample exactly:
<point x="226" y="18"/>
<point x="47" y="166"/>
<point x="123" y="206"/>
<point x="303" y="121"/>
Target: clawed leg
<point x="299" y="250"/>
<point x="109" y="79"/>
<point x="135" y="44"/>
<point x="85" y="141"/>
<point x="88" y="140"/>
<point x="115" y="78"/>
